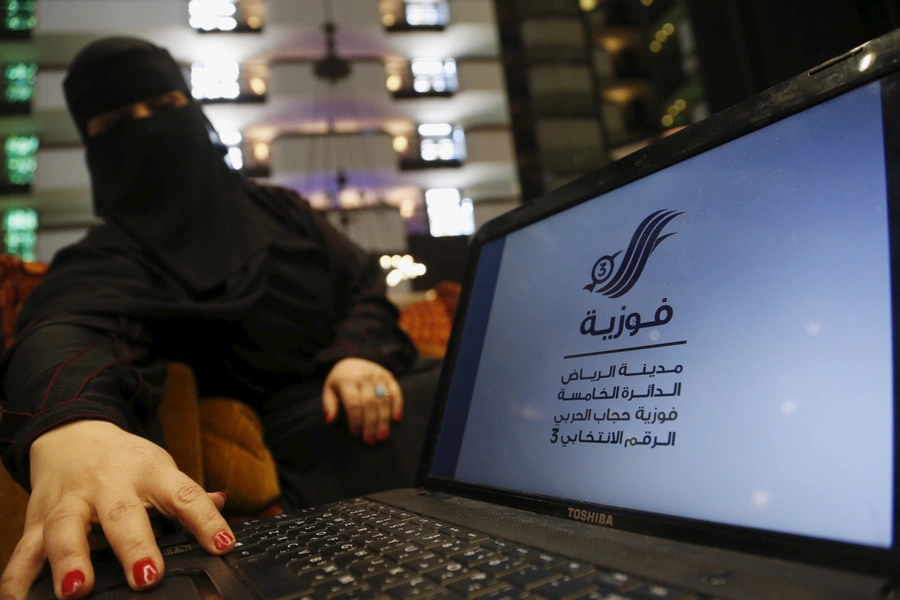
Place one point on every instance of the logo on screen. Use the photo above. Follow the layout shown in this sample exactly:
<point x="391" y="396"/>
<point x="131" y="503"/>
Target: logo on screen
<point x="615" y="282"/>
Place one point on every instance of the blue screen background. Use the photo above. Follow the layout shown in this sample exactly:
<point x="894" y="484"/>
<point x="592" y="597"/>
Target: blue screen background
<point x="777" y="276"/>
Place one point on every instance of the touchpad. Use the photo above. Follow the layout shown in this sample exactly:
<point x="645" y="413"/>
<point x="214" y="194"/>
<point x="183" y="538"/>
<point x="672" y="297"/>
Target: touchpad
<point x="172" y="587"/>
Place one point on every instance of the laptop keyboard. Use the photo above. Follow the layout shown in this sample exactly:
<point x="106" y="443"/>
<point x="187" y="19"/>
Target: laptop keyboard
<point x="363" y="549"/>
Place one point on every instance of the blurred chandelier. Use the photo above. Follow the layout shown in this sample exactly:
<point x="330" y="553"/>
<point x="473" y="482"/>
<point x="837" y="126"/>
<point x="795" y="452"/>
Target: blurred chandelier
<point x="334" y="70"/>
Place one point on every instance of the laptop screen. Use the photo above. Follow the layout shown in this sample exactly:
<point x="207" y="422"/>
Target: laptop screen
<point x="712" y="341"/>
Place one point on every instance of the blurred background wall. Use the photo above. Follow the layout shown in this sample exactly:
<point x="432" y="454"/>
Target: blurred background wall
<point x="409" y="122"/>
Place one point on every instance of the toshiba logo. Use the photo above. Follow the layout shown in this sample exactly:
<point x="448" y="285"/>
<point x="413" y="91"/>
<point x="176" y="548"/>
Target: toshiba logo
<point x="590" y="516"/>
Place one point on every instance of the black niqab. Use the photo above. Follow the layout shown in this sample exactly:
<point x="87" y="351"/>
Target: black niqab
<point x="161" y="179"/>
<point x="182" y="233"/>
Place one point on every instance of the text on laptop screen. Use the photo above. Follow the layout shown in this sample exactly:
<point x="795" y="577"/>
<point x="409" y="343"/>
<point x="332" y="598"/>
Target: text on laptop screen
<point x="712" y="341"/>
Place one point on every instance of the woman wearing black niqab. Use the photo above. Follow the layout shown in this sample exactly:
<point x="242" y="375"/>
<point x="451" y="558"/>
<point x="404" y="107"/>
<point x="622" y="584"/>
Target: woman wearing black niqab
<point x="246" y="284"/>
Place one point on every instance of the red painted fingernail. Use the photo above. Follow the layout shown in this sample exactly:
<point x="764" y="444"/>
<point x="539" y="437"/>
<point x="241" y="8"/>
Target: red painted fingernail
<point x="224" y="497"/>
<point x="398" y="417"/>
<point x="370" y="439"/>
<point x="223" y="539"/>
<point x="356" y="430"/>
<point x="382" y="435"/>
<point x="144" y="572"/>
<point x="72" y="582"/>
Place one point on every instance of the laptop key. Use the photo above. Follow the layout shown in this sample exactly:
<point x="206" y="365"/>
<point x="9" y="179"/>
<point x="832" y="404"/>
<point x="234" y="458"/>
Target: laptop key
<point x="389" y="510"/>
<point x="412" y="533"/>
<point x="324" y="574"/>
<point x="508" y="592"/>
<point x="565" y="588"/>
<point x="250" y="524"/>
<point x="448" y="572"/>
<point x="293" y="527"/>
<point x="436" y="539"/>
<point x="341" y="584"/>
<point x="407" y="553"/>
<point x="305" y="563"/>
<point x="605" y="594"/>
<point x="265" y="534"/>
<point x="364" y="592"/>
<point x="308" y="537"/>
<point x="426" y="563"/>
<point x="619" y="582"/>
<point x="286" y="557"/>
<point x="378" y="520"/>
<point x="445" y="594"/>
<point x="547" y="560"/>
<point x="426" y="522"/>
<point x="472" y="537"/>
<point x="652" y="591"/>
<point x="373" y="566"/>
<point x="279" y="551"/>
<point x="389" y="578"/>
<point x="531" y="577"/>
<point x="574" y="568"/>
<point x="474" y="585"/>
<point x="386" y="544"/>
<point x="450" y="548"/>
<point x="390" y="528"/>
<point x="358" y="555"/>
<point x="323" y="541"/>
<point x="307" y="528"/>
<point x="522" y="552"/>
<point x="501" y="563"/>
<point x="354" y="534"/>
<point x="472" y="556"/>
<point x="433" y="538"/>
<point x="497" y="545"/>
<point x="412" y="588"/>
<point x="239" y="554"/>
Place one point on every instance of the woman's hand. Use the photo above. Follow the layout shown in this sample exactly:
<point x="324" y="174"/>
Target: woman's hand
<point x="370" y="395"/>
<point x="93" y="472"/>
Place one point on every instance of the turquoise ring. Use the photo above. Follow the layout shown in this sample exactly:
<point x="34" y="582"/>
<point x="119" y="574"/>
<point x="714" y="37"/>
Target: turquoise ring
<point x="381" y="392"/>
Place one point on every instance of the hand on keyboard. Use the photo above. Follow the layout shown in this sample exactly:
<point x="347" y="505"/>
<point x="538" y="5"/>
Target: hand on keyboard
<point x="92" y="472"/>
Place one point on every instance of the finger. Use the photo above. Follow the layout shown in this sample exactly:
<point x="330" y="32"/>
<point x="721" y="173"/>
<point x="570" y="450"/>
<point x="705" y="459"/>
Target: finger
<point x="370" y="411"/>
<point x="218" y="499"/>
<point x="24" y="565"/>
<point x="396" y="400"/>
<point x="127" y="528"/>
<point x="330" y="404"/>
<point x="67" y="548"/>
<point x="383" y="406"/>
<point x="350" y="398"/>
<point x="182" y="499"/>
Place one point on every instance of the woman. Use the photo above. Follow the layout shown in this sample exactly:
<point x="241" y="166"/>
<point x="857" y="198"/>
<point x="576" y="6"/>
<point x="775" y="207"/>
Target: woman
<point x="246" y="284"/>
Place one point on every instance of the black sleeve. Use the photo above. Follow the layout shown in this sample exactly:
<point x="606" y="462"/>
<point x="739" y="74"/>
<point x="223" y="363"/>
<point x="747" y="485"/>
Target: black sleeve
<point x="367" y="326"/>
<point x="72" y="369"/>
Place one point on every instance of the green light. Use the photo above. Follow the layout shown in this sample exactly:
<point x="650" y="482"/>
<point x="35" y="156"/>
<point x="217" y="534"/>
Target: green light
<point x="20" y="160"/>
<point x="19" y="80"/>
<point x="18" y="15"/>
<point x="20" y="238"/>
<point x="20" y="219"/>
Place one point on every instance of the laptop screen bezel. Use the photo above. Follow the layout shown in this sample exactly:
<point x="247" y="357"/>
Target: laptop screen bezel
<point x="822" y="83"/>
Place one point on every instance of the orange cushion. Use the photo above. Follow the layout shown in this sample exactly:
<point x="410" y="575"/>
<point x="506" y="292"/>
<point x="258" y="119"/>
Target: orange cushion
<point x="428" y="322"/>
<point x="17" y="279"/>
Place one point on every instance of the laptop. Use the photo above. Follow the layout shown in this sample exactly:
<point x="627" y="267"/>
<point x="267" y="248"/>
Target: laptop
<point x="671" y="378"/>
